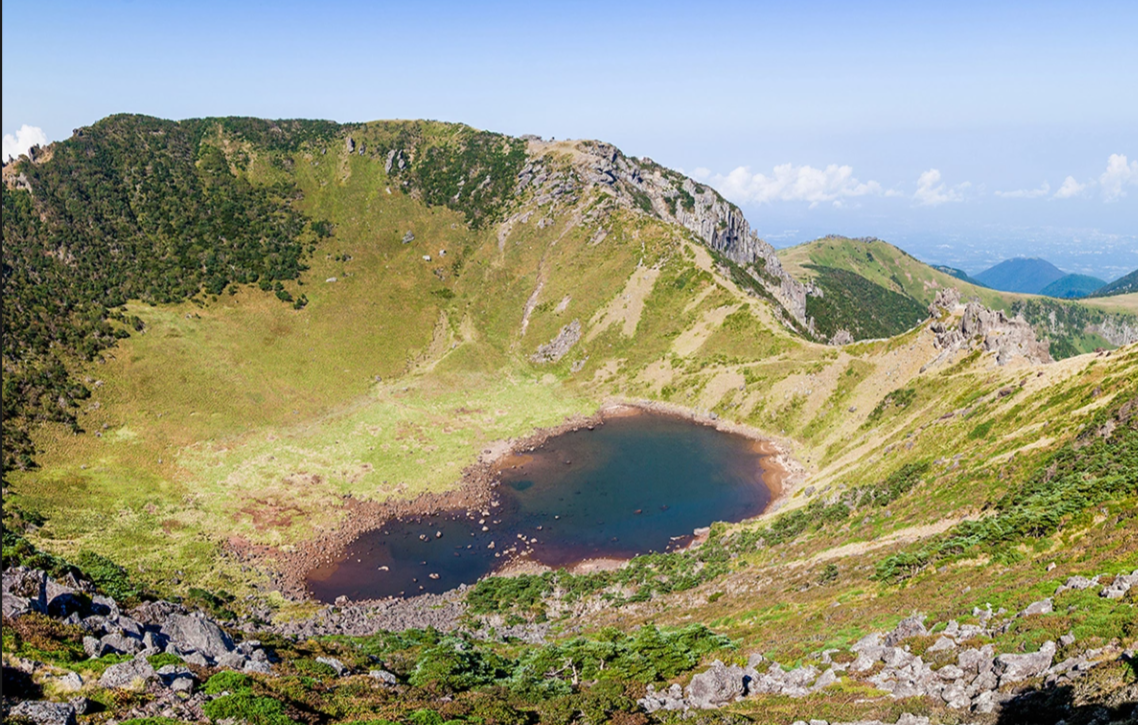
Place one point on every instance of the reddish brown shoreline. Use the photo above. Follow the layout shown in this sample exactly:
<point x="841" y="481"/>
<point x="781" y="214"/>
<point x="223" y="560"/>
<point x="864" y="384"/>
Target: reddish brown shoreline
<point x="476" y="491"/>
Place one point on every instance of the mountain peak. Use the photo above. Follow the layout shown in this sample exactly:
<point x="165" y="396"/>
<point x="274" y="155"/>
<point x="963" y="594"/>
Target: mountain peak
<point x="1022" y="274"/>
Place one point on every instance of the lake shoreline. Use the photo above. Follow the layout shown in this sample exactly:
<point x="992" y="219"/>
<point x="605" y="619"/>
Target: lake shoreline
<point x="779" y="474"/>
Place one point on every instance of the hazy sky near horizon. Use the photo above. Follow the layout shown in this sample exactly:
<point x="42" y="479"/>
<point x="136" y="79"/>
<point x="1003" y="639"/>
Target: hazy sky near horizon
<point x="966" y="133"/>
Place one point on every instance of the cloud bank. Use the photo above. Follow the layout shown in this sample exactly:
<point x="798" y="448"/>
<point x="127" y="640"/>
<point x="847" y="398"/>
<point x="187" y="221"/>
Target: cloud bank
<point x="24" y="139"/>
<point x="1070" y="189"/>
<point x="931" y="192"/>
<point x="1118" y="174"/>
<point x="788" y="182"/>
<point x="1027" y="193"/>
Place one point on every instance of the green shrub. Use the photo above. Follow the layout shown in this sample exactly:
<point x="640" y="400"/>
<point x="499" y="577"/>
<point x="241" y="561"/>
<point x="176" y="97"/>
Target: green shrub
<point x="455" y="664"/>
<point x="1085" y="472"/>
<point x="246" y="707"/>
<point x="163" y="658"/>
<point x="227" y="681"/>
<point x="109" y="577"/>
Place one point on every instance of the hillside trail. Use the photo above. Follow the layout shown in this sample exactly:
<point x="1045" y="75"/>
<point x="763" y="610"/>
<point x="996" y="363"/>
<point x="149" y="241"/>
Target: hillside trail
<point x="907" y="535"/>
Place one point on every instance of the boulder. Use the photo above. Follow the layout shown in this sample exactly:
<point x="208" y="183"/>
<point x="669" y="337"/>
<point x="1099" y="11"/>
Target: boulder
<point x="46" y="713"/>
<point x="716" y="686"/>
<point x="27" y="588"/>
<point x="825" y="680"/>
<point x="128" y="625"/>
<point x="155" y="614"/>
<point x="1121" y="584"/>
<point x="69" y="682"/>
<point x="104" y="606"/>
<point x="335" y="664"/>
<point x="670" y="699"/>
<point x="197" y="633"/>
<point x="976" y="661"/>
<point x="196" y="658"/>
<point x="909" y="627"/>
<point x="1076" y="583"/>
<point x="943" y="643"/>
<point x="128" y="675"/>
<point x="385" y="677"/>
<point x="955" y="697"/>
<point x="14" y="606"/>
<point x="1043" y="606"/>
<point x="121" y="643"/>
<point x="559" y="346"/>
<point x="94" y="647"/>
<point x="154" y="640"/>
<point x="177" y="678"/>
<point x="232" y="661"/>
<point x="950" y="673"/>
<point x="1013" y="668"/>
<point x="258" y="666"/>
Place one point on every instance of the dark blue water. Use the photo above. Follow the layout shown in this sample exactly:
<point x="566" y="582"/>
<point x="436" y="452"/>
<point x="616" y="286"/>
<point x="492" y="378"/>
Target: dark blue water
<point x="632" y="485"/>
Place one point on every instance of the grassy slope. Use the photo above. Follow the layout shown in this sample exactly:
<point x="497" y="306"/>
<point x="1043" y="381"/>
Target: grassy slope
<point x="886" y="265"/>
<point x="892" y="268"/>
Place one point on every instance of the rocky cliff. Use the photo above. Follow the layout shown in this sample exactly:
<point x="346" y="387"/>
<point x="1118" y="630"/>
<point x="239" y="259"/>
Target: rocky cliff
<point x="563" y="170"/>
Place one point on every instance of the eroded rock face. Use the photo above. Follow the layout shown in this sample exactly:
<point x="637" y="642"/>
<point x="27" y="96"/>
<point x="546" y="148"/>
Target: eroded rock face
<point x="1006" y="337"/>
<point x="984" y="329"/>
<point x="667" y="195"/>
<point x="559" y="346"/>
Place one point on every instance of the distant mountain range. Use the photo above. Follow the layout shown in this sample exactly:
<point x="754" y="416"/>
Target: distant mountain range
<point x="1023" y="274"/>
<point x="1123" y="285"/>
<point x="958" y="273"/>
<point x="1040" y="277"/>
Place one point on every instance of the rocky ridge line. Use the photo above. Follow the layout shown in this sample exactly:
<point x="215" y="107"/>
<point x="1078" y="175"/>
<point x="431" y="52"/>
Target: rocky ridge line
<point x="671" y="197"/>
<point x="981" y="328"/>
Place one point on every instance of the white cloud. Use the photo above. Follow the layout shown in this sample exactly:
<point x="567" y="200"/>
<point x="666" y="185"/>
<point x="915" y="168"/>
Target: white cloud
<point x="931" y="192"/>
<point x="24" y="139"/>
<point x="701" y="173"/>
<point x="1026" y="193"/>
<point x="1070" y="189"/>
<point x="793" y="183"/>
<point x="1117" y="175"/>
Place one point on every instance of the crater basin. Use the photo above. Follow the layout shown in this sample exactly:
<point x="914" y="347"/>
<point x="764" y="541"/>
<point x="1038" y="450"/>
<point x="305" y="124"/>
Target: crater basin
<point x="634" y="483"/>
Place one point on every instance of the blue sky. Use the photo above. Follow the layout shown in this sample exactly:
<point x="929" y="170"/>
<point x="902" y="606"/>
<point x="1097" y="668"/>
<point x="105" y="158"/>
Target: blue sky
<point x="964" y="133"/>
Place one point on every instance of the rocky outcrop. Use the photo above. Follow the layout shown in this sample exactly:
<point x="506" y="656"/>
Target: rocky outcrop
<point x="132" y="675"/>
<point x="46" y="713"/>
<point x="1118" y="330"/>
<point x="668" y="195"/>
<point x="197" y="634"/>
<point x="977" y="680"/>
<point x="1015" y="668"/>
<point x="559" y="346"/>
<point x="716" y="686"/>
<point x="981" y="328"/>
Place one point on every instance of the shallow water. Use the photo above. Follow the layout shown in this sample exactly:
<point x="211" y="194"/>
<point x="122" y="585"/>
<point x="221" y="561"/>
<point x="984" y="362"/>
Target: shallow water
<point x="634" y="484"/>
